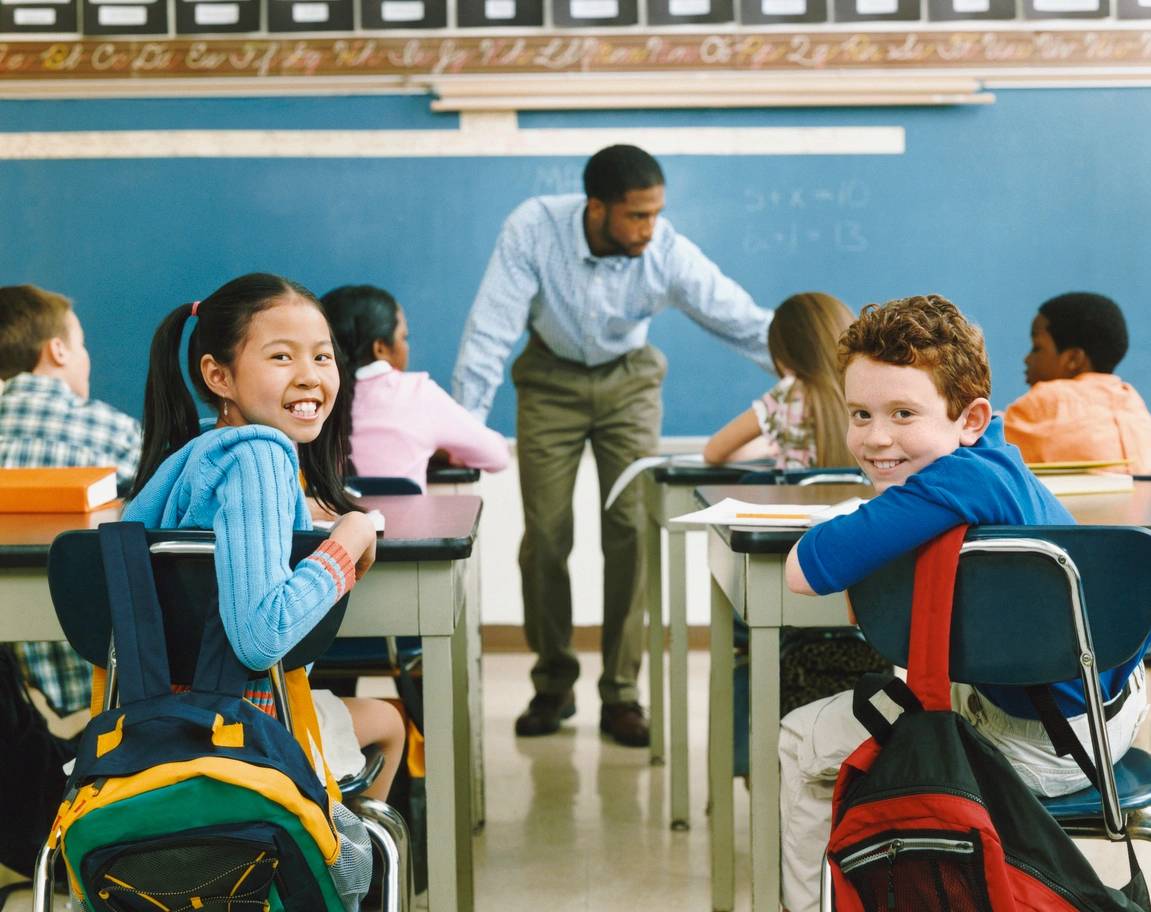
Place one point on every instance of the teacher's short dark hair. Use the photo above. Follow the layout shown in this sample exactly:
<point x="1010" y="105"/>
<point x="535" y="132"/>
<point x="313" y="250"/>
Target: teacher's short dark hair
<point x="612" y="172"/>
<point x="1092" y="322"/>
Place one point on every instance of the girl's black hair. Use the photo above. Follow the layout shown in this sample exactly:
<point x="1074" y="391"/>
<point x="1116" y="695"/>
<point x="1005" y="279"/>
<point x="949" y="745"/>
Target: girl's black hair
<point x="359" y="315"/>
<point x="222" y="318"/>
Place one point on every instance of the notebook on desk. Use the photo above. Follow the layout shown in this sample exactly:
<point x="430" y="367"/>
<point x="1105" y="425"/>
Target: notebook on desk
<point x="1066" y="485"/>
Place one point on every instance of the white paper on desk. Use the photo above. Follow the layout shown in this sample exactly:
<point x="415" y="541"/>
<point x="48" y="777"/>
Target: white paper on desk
<point x="375" y="516"/>
<point x="732" y="512"/>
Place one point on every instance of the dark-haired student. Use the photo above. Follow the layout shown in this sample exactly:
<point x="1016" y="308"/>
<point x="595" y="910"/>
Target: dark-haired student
<point x="400" y="418"/>
<point x="46" y="421"/>
<point x="584" y="274"/>
<point x="1077" y="408"/>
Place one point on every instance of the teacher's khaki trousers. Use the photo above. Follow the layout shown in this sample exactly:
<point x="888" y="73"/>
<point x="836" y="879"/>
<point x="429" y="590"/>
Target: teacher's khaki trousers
<point x="560" y="405"/>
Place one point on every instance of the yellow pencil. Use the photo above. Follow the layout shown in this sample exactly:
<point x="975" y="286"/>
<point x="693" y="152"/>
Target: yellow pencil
<point x="773" y="516"/>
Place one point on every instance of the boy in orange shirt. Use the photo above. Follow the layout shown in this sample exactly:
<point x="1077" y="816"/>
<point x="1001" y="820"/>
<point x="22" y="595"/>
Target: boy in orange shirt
<point x="1077" y="410"/>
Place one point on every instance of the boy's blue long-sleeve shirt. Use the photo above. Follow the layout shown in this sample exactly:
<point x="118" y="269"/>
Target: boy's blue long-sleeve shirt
<point x="243" y="483"/>
<point x="984" y="484"/>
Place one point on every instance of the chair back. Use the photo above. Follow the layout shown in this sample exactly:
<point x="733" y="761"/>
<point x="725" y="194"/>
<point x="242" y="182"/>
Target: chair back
<point x="1016" y="612"/>
<point x="817" y="475"/>
<point x="381" y="485"/>
<point x="184" y="569"/>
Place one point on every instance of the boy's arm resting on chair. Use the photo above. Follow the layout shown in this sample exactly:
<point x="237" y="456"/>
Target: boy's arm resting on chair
<point x="844" y="550"/>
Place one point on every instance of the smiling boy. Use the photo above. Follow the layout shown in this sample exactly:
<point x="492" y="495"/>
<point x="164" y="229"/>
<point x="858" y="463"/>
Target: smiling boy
<point x="917" y="386"/>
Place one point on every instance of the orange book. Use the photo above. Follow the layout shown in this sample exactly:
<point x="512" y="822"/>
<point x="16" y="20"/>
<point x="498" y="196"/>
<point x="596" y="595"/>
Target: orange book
<point x="57" y="490"/>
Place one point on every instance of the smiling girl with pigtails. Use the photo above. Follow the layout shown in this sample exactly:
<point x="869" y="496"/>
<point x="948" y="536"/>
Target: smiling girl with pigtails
<point x="260" y="354"/>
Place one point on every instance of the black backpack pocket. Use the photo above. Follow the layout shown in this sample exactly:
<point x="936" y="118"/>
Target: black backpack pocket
<point x="213" y="869"/>
<point x="908" y="871"/>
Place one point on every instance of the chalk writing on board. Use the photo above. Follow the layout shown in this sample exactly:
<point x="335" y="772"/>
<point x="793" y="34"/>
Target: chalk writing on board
<point x="785" y="220"/>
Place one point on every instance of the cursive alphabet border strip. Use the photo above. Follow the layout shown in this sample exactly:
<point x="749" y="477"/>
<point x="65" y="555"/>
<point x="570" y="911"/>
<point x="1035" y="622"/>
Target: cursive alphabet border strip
<point x="416" y="57"/>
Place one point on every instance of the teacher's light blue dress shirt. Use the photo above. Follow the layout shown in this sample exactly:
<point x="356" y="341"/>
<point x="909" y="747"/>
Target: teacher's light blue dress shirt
<point x="589" y="309"/>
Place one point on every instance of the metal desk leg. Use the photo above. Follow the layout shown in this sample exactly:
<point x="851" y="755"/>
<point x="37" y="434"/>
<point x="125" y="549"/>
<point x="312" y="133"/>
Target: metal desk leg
<point x="764" y="769"/>
<point x="653" y="582"/>
<point x="473" y="621"/>
<point x="677" y="679"/>
<point x="450" y="879"/>
<point x="719" y="754"/>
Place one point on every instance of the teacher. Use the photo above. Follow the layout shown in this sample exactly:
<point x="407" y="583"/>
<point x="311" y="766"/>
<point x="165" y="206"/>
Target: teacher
<point x="585" y="276"/>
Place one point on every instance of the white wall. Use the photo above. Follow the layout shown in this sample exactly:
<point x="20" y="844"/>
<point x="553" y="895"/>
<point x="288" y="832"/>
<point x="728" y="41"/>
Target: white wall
<point x="501" y="527"/>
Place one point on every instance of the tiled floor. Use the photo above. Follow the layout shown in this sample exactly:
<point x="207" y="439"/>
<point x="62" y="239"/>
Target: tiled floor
<point x="575" y="822"/>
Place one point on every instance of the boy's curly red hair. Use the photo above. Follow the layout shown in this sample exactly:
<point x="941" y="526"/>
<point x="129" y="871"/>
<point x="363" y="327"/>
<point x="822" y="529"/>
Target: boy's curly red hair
<point x="925" y="331"/>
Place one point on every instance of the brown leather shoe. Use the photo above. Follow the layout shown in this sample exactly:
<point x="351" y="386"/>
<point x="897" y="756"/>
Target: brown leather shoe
<point x="544" y="713"/>
<point x="626" y="724"/>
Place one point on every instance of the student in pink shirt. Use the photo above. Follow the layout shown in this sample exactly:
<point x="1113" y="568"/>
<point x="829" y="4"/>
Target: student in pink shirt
<point x="400" y="419"/>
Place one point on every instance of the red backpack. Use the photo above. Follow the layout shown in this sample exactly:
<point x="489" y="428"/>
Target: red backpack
<point x="928" y="816"/>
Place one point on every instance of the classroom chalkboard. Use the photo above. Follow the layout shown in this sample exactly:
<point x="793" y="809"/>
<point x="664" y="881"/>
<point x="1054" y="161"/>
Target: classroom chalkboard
<point x="998" y="207"/>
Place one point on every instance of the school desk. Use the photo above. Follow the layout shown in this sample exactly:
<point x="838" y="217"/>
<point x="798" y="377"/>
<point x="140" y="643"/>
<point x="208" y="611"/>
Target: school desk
<point x="747" y="574"/>
<point x="668" y="492"/>
<point x="448" y="479"/>
<point x="417" y="588"/>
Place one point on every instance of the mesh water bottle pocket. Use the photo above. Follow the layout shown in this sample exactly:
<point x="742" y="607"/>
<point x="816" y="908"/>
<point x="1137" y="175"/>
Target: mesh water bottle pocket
<point x="918" y="872"/>
<point x="199" y="871"/>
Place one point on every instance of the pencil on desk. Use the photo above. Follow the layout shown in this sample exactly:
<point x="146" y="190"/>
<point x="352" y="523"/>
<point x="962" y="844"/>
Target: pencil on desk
<point x="773" y="516"/>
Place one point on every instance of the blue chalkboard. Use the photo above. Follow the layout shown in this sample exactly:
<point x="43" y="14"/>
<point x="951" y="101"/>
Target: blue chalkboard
<point x="997" y="207"/>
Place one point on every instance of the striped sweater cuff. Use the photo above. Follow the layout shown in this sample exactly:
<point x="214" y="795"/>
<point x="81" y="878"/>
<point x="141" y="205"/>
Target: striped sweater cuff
<point x="333" y="557"/>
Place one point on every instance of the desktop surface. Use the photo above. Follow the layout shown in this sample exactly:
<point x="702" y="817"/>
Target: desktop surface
<point x="1125" y="508"/>
<point x="417" y="528"/>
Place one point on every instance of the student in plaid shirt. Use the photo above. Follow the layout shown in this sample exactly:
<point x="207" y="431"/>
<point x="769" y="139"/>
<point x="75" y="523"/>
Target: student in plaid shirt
<point x="47" y="419"/>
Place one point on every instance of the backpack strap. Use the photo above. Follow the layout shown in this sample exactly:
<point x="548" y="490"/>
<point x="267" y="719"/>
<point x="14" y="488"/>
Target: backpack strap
<point x="1059" y="730"/>
<point x="929" y="650"/>
<point x="137" y="622"/>
<point x="138" y="625"/>
<point x="865" y="702"/>
<point x="217" y="668"/>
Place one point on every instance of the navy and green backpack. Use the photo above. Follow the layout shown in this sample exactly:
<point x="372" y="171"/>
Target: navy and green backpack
<point x="196" y="799"/>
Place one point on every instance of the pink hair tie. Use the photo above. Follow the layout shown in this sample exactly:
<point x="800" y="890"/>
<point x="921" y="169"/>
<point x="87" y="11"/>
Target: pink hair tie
<point x="195" y="307"/>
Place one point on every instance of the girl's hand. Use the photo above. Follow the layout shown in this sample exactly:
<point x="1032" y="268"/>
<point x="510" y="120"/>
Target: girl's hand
<point x="357" y="535"/>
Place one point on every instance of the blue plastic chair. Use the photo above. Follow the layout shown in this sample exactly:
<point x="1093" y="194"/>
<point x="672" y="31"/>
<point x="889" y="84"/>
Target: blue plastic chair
<point x="1055" y="603"/>
<point x="184" y="569"/>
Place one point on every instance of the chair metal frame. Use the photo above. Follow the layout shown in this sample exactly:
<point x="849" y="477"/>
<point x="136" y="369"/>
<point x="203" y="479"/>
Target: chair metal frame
<point x="386" y="829"/>
<point x="1113" y="821"/>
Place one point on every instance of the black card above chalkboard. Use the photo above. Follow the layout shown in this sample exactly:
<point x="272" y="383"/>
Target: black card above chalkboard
<point x="579" y="13"/>
<point x="689" y="12"/>
<point x="141" y="17"/>
<point x="495" y="13"/>
<point x="959" y="10"/>
<point x="206" y="17"/>
<point x="1066" y="9"/>
<point x="44" y="16"/>
<point x="310" y="15"/>
<point x="403" y="14"/>
<point x="779" y="12"/>
<point x="877" y="10"/>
